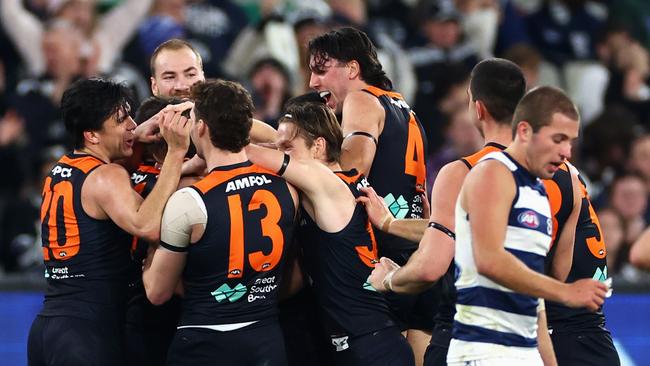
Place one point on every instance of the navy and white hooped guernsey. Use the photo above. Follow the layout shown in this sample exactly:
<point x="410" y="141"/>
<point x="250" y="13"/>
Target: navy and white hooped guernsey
<point x="491" y="320"/>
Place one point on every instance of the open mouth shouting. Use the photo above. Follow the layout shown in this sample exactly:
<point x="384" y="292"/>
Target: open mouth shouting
<point x="326" y="95"/>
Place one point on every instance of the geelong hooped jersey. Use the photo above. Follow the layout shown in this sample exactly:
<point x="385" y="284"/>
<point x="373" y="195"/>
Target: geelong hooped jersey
<point x="339" y="265"/>
<point x="86" y="260"/>
<point x="398" y="171"/>
<point x="490" y="317"/>
<point x="589" y="255"/>
<point x="233" y="272"/>
<point x="447" y="289"/>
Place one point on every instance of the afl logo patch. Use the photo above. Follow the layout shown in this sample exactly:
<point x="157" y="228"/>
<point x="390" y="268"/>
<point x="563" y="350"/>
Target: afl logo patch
<point x="529" y="219"/>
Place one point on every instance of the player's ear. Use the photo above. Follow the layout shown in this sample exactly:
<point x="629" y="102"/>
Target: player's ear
<point x="354" y="70"/>
<point x="92" y="137"/>
<point x="481" y="111"/>
<point x="321" y="146"/>
<point x="154" y="86"/>
<point x="524" y="131"/>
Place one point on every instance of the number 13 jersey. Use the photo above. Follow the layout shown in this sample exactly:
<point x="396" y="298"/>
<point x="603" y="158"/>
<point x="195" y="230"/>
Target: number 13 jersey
<point x="233" y="271"/>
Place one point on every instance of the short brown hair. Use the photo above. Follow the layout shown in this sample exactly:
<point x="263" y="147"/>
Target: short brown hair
<point x="539" y="105"/>
<point x="314" y="120"/>
<point x="227" y="109"/>
<point x="173" y="44"/>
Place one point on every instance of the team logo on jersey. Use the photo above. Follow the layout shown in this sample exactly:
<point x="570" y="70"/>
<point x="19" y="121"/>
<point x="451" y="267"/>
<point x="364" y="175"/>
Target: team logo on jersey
<point x="600" y="274"/>
<point x="368" y="286"/>
<point x="341" y="343"/>
<point x="224" y="292"/>
<point x="529" y="219"/>
<point x="397" y="206"/>
<point x="549" y="226"/>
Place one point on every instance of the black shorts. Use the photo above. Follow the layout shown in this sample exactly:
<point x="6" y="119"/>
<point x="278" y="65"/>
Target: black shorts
<point x="414" y="311"/>
<point x="69" y="341"/>
<point x="436" y="353"/>
<point x="260" y="344"/>
<point x="149" y="330"/>
<point x="304" y="336"/>
<point x="383" y="347"/>
<point x="587" y="348"/>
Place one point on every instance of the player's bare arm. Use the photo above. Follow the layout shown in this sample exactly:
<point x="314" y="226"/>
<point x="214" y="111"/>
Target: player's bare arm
<point x="488" y="206"/>
<point x="183" y="223"/>
<point x="436" y="250"/>
<point x="544" y="344"/>
<point x="262" y="132"/>
<point x="563" y="258"/>
<point x="108" y="193"/>
<point x="326" y="193"/>
<point x="381" y="217"/>
<point x="640" y="252"/>
<point x="362" y="113"/>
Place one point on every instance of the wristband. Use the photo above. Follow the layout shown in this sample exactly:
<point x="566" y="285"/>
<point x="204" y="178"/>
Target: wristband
<point x="387" y="221"/>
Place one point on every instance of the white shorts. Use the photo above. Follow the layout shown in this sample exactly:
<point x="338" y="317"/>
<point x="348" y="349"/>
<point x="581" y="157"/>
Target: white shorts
<point x="502" y="361"/>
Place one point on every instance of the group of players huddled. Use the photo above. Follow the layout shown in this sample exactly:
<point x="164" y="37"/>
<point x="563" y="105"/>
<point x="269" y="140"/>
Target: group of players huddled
<point x="196" y="235"/>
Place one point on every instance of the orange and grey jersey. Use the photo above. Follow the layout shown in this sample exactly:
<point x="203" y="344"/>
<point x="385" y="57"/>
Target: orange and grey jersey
<point x="398" y="171"/>
<point x="446" y="287"/>
<point x="232" y="273"/>
<point x="339" y="265"/>
<point x="86" y="260"/>
<point x="589" y="253"/>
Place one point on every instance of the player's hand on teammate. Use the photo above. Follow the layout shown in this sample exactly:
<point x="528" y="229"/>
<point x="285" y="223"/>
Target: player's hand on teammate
<point x="378" y="213"/>
<point x="148" y="131"/>
<point x="586" y="293"/>
<point x="381" y="276"/>
<point x="175" y="126"/>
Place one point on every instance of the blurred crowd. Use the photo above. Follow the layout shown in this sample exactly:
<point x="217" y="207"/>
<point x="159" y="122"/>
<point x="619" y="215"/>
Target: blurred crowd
<point x="598" y="51"/>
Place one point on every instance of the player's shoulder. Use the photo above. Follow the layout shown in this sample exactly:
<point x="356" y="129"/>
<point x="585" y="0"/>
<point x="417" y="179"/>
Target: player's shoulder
<point x="361" y="98"/>
<point x="109" y="174"/>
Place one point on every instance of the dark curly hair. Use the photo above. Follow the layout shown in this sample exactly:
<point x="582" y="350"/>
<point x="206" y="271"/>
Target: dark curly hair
<point x="227" y="109"/>
<point x="347" y="44"/>
<point x="88" y="103"/>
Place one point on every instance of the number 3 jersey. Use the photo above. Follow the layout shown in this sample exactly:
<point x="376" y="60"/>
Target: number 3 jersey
<point x="233" y="271"/>
<point x="339" y="264"/>
<point x="86" y="260"/>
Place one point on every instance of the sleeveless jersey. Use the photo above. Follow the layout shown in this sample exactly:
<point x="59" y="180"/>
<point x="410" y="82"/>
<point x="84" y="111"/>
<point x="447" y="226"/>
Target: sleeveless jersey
<point x="445" y="287"/>
<point x="143" y="181"/>
<point x="491" y="318"/>
<point x="86" y="260"/>
<point x="339" y="265"/>
<point x="398" y="171"/>
<point x="233" y="272"/>
<point x="589" y="256"/>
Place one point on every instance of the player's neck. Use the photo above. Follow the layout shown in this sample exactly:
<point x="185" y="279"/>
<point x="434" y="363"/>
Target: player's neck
<point x="518" y="153"/>
<point x="95" y="151"/>
<point x="498" y="133"/>
<point x="217" y="157"/>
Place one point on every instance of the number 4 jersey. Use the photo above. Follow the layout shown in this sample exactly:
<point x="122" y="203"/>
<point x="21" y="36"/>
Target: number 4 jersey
<point x="398" y="171"/>
<point x="233" y="271"/>
<point x="86" y="260"/>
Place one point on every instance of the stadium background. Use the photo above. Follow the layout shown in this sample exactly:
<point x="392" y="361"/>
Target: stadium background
<point x="595" y="50"/>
